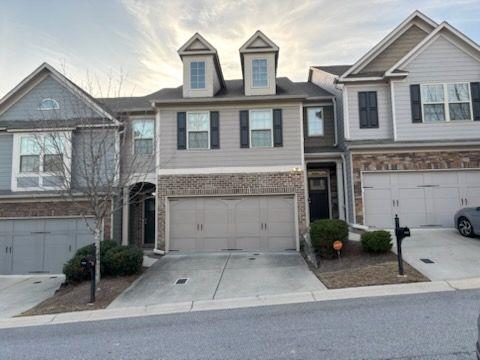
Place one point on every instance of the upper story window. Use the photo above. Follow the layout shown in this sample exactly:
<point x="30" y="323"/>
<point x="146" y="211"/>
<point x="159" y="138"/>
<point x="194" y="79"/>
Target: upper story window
<point x="368" y="111"/>
<point x="198" y="130"/>
<point x="261" y="128"/>
<point x="315" y="121"/>
<point x="197" y="75"/>
<point x="259" y="73"/>
<point x="48" y="104"/>
<point x="446" y="102"/>
<point x="143" y="134"/>
<point x="29" y="154"/>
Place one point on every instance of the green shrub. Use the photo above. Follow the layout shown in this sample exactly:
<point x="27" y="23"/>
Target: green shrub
<point x="124" y="260"/>
<point x="115" y="260"/>
<point x="74" y="272"/>
<point x="324" y="233"/>
<point x="379" y="241"/>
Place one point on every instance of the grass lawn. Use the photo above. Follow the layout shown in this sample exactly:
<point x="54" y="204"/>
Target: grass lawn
<point x="358" y="268"/>
<point x="76" y="297"/>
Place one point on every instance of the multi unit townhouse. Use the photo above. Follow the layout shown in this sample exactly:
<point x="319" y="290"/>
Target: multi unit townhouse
<point x="410" y="133"/>
<point x="247" y="164"/>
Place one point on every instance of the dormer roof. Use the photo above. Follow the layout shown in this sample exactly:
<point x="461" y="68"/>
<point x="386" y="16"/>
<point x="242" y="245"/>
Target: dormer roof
<point x="259" y="43"/>
<point x="198" y="45"/>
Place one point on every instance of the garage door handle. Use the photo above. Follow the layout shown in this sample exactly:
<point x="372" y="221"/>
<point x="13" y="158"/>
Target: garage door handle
<point x="461" y="200"/>
<point x="201" y="227"/>
<point x="466" y="201"/>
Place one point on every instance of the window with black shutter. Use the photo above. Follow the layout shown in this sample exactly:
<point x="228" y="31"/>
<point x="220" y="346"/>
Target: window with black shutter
<point x="368" y="111"/>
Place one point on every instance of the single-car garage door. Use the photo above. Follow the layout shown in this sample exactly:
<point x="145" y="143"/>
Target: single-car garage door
<point x="420" y="198"/>
<point x="40" y="245"/>
<point x="254" y="223"/>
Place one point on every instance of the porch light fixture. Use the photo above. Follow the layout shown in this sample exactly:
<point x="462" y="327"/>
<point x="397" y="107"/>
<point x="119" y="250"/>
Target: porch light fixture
<point x="296" y="170"/>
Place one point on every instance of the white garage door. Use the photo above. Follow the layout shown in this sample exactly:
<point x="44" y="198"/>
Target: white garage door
<point x="40" y="245"/>
<point x="420" y="198"/>
<point x="255" y="223"/>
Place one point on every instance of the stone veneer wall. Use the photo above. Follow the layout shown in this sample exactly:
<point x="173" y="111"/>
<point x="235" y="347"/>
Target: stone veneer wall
<point x="415" y="160"/>
<point x="228" y="184"/>
<point x="46" y="208"/>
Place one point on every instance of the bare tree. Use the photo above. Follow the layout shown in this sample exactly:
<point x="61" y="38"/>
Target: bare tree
<point x="88" y="157"/>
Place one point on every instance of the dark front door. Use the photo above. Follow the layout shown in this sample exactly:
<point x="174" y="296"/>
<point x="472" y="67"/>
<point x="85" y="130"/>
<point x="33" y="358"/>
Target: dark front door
<point x="149" y="231"/>
<point x="319" y="202"/>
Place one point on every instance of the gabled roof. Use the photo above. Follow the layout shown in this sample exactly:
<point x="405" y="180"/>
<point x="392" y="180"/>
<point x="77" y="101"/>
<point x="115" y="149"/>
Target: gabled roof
<point x="71" y="86"/>
<point x="198" y="45"/>
<point x="416" y="16"/>
<point x="443" y="27"/>
<point x="259" y="42"/>
<point x="333" y="69"/>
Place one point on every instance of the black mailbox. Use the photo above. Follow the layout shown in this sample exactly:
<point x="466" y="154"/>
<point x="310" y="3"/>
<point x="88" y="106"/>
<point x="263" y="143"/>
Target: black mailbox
<point x="88" y="262"/>
<point x="402" y="232"/>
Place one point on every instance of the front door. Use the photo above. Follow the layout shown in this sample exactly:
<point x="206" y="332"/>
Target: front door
<point x="149" y="230"/>
<point x="319" y="198"/>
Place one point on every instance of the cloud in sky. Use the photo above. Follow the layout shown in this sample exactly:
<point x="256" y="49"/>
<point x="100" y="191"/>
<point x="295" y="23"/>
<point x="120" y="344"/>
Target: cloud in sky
<point x="95" y="40"/>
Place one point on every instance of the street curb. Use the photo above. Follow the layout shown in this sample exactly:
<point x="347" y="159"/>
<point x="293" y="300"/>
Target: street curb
<point x="237" y="303"/>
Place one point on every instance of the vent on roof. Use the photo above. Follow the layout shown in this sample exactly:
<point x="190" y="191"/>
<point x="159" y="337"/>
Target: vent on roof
<point x="427" y="261"/>
<point x="181" y="281"/>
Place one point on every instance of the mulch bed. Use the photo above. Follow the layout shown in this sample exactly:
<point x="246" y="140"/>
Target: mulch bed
<point x="358" y="268"/>
<point x="76" y="297"/>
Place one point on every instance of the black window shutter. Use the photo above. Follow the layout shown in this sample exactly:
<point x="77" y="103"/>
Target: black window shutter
<point x="244" y="129"/>
<point x="475" y="94"/>
<point x="416" y="103"/>
<point x="277" y="128"/>
<point x="372" y="109"/>
<point x="181" y="130"/>
<point x="363" y="109"/>
<point x="214" y="130"/>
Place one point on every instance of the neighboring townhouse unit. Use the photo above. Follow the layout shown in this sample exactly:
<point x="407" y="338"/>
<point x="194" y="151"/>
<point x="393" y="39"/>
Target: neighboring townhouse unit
<point x="409" y="111"/>
<point x="39" y="228"/>
<point x="229" y="172"/>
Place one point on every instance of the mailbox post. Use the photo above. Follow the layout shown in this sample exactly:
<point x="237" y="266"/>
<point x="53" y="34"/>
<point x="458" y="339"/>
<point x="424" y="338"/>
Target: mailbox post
<point x="88" y="263"/>
<point x="400" y="234"/>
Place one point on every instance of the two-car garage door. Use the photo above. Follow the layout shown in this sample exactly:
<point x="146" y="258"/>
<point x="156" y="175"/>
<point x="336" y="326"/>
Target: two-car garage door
<point x="420" y="198"/>
<point x="40" y="245"/>
<point x="253" y="223"/>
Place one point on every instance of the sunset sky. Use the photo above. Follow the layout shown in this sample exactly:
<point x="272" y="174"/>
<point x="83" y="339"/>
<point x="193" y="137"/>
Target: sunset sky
<point x="94" y="41"/>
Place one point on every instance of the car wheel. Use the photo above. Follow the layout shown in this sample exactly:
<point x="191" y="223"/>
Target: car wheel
<point x="465" y="227"/>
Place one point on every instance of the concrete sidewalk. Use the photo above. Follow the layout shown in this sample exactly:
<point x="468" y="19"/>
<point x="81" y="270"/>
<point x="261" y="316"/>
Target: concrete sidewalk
<point x="191" y="306"/>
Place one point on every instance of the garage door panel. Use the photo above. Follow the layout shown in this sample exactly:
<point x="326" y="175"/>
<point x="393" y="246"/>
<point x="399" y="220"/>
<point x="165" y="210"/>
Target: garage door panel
<point x="28" y="252"/>
<point x="444" y="203"/>
<point x="236" y="223"/>
<point x="473" y="196"/>
<point x="377" y="181"/>
<point x="58" y="249"/>
<point x="378" y="208"/>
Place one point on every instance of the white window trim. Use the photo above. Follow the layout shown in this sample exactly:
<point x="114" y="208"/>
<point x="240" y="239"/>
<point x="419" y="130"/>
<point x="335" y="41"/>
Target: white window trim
<point x="268" y="83"/>
<point x="56" y="107"/>
<point x="204" y="75"/>
<point x="446" y="103"/>
<point x="187" y="130"/>
<point x="250" y="128"/>
<point x="67" y="156"/>
<point x="140" y="138"/>
<point x="323" y="122"/>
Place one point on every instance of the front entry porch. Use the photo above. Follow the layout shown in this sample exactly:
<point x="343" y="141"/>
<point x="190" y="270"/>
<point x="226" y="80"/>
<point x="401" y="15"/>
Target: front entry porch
<point x="325" y="189"/>
<point x="139" y="215"/>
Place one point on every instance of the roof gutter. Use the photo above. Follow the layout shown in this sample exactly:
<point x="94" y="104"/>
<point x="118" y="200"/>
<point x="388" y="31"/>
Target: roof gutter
<point x="411" y="145"/>
<point x="226" y="100"/>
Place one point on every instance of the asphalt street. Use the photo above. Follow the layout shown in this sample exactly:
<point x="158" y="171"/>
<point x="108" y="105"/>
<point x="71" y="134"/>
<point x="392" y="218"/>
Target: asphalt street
<point x="423" y="326"/>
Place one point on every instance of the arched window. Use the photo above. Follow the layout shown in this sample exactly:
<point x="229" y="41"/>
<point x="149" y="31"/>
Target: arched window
<point x="48" y="104"/>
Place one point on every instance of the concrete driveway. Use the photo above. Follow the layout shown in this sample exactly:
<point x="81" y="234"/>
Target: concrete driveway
<point x="20" y="293"/>
<point x="453" y="256"/>
<point x="219" y="276"/>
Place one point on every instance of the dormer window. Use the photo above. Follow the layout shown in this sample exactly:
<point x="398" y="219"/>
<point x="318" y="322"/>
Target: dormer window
<point x="259" y="73"/>
<point x="197" y="75"/>
<point x="48" y="104"/>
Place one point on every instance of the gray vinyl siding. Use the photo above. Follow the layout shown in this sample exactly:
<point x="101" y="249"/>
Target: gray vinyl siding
<point x="117" y="221"/>
<point x="87" y="144"/>
<point x="385" y="123"/>
<point x="441" y="62"/>
<point x="327" y="82"/>
<point x="399" y="48"/>
<point x="26" y="108"/>
<point x="134" y="163"/>
<point x="6" y="147"/>
<point x="230" y="154"/>
<point x="312" y="143"/>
